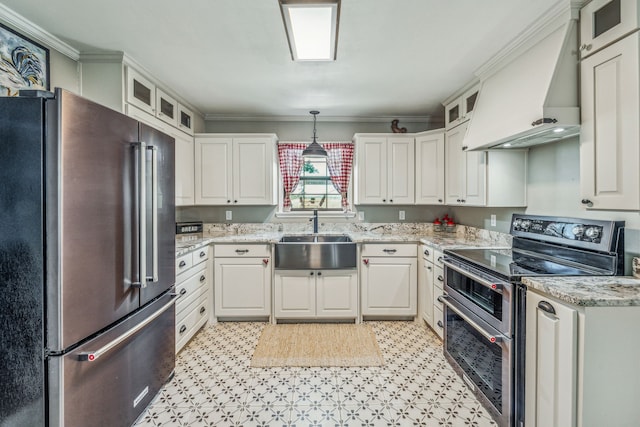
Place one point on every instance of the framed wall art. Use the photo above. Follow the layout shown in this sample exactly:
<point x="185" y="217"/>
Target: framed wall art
<point x="24" y="64"/>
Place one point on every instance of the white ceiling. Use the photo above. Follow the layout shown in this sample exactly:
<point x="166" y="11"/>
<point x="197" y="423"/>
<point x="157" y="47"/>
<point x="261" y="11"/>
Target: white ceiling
<point x="230" y="57"/>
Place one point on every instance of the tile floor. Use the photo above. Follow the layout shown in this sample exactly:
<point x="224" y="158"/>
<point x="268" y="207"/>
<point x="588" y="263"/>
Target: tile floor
<point x="214" y="386"/>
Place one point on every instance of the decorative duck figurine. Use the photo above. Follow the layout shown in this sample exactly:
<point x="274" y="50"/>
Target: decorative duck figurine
<point x="395" y="128"/>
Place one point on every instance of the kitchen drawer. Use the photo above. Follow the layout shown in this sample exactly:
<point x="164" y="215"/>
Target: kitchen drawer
<point x="187" y="303"/>
<point x="189" y="287"/>
<point x="247" y="251"/>
<point x="426" y="252"/>
<point x="438" y="321"/>
<point x="438" y="277"/>
<point x="200" y="255"/>
<point x="183" y="263"/>
<point x="192" y="321"/>
<point x="437" y="258"/>
<point x="394" y="249"/>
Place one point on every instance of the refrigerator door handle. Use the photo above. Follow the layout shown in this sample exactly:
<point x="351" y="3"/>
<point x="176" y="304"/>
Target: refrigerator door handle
<point x="90" y="356"/>
<point x="154" y="214"/>
<point x="141" y="219"/>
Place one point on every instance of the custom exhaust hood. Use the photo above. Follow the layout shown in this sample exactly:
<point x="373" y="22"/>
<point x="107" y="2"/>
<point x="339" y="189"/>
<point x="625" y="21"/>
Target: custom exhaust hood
<point x="534" y="98"/>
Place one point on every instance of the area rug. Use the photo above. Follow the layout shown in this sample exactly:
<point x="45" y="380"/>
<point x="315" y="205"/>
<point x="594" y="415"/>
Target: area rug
<point x="313" y="344"/>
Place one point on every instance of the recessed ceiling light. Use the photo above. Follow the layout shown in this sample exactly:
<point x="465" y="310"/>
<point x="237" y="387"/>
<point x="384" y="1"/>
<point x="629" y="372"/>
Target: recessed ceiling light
<point x="312" y="28"/>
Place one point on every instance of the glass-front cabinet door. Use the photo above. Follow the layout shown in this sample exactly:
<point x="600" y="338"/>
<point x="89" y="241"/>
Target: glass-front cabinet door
<point x="141" y="92"/>
<point x="602" y="22"/>
<point x="166" y="108"/>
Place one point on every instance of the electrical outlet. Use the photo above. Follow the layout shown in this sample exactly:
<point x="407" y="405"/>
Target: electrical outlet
<point x="401" y="215"/>
<point x="493" y="220"/>
<point x="361" y="215"/>
<point x="229" y="215"/>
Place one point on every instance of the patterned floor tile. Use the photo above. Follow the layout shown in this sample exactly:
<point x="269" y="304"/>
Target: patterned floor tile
<point x="214" y="385"/>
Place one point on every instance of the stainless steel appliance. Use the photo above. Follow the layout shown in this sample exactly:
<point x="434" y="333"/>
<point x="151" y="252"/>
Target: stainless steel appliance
<point x="485" y="301"/>
<point x="87" y="262"/>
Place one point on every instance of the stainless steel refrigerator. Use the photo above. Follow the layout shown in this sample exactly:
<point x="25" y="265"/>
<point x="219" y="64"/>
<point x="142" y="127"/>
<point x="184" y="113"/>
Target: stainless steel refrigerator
<point x="87" y="262"/>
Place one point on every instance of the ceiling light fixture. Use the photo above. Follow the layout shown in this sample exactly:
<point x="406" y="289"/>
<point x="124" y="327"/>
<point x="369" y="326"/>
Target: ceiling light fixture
<point x="312" y="28"/>
<point x="314" y="149"/>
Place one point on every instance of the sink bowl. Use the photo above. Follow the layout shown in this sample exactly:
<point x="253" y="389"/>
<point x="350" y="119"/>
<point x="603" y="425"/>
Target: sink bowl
<point x="315" y="252"/>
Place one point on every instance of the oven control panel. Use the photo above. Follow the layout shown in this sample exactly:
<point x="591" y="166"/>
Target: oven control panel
<point x="582" y="232"/>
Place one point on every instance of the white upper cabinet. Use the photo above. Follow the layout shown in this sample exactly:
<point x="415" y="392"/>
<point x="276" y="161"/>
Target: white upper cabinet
<point x="465" y="171"/>
<point x="430" y="168"/>
<point x="184" y="170"/>
<point x="479" y="178"/>
<point x="461" y="109"/>
<point x="384" y="169"/>
<point x="609" y="149"/>
<point x="166" y="108"/>
<point x="141" y="92"/>
<point x="235" y="169"/>
<point x="602" y="22"/>
<point x="185" y="119"/>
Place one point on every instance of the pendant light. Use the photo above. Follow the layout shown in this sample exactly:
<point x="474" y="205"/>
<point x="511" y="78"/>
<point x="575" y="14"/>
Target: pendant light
<point x="314" y="149"/>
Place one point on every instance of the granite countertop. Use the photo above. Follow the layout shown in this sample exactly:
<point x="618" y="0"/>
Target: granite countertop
<point x="602" y="291"/>
<point x="436" y="240"/>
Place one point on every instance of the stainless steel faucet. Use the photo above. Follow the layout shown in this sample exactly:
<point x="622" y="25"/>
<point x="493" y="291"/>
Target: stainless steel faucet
<point x="314" y="218"/>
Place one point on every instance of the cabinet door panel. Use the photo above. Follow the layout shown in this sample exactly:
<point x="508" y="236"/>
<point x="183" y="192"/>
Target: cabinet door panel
<point x="400" y="172"/>
<point x="184" y="171"/>
<point x="295" y="294"/>
<point x="551" y="363"/>
<point x="455" y="165"/>
<point x="371" y="170"/>
<point x="252" y="164"/>
<point x="213" y="171"/>
<point x="609" y="150"/>
<point x="242" y="287"/>
<point x="389" y="286"/>
<point x="336" y="294"/>
<point x="475" y="178"/>
<point x="430" y="169"/>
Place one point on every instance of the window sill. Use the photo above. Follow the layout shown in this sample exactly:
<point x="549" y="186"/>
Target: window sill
<point x="308" y="214"/>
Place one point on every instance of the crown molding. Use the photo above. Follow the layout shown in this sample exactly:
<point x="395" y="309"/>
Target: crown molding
<point x="306" y="118"/>
<point x="37" y="33"/>
<point x="555" y="17"/>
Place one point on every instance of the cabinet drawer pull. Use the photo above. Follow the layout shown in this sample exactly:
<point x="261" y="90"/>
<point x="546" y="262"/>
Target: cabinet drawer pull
<point x="440" y="259"/>
<point x="242" y="251"/>
<point x="203" y="254"/>
<point x="546" y="307"/>
<point x="202" y="310"/>
<point x="586" y="47"/>
<point x="440" y="325"/>
<point x="440" y="278"/>
<point x="183" y="329"/>
<point x="429" y="268"/>
<point x="202" y="278"/>
<point x="587" y="202"/>
<point x="182" y="292"/>
<point x="390" y="251"/>
<point x="426" y="252"/>
<point x="182" y="264"/>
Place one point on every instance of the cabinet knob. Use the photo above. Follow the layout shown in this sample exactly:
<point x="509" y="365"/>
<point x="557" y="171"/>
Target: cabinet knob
<point x="458" y="200"/>
<point x="586" y="47"/>
<point x="429" y="268"/>
<point x="202" y="310"/>
<point x="390" y="200"/>
<point x="182" y="264"/>
<point x="439" y="200"/>
<point x="319" y="273"/>
<point x="311" y="274"/>
<point x="235" y="201"/>
<point x="228" y="201"/>
<point x="384" y="200"/>
<point x="587" y="202"/>
<point x="464" y="148"/>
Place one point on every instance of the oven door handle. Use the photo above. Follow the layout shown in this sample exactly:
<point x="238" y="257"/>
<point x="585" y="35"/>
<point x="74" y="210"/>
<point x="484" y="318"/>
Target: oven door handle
<point x="490" y="337"/>
<point x="496" y="287"/>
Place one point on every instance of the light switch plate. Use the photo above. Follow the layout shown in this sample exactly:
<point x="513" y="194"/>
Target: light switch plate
<point x="229" y="215"/>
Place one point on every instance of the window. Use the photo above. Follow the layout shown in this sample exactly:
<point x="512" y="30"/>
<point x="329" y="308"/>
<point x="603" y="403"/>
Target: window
<point x="315" y="183"/>
<point x="315" y="189"/>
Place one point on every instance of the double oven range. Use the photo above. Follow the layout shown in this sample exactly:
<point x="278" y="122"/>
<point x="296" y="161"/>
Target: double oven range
<point x="484" y="300"/>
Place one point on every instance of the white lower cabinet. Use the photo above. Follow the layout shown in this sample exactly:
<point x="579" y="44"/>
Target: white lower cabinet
<point x="304" y="294"/>
<point x="388" y="279"/>
<point x="192" y="287"/>
<point x="581" y="365"/>
<point x="242" y="285"/>
<point x="430" y="287"/>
